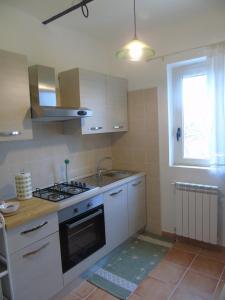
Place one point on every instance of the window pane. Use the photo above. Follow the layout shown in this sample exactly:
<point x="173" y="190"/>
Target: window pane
<point x="196" y="118"/>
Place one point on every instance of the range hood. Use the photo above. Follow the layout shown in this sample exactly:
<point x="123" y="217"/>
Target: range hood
<point x="44" y="101"/>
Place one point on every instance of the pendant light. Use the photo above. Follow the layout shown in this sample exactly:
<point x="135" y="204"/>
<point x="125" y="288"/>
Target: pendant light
<point x="135" y="50"/>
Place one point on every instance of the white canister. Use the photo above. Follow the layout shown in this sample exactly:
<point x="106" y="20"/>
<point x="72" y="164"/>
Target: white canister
<point x="23" y="186"/>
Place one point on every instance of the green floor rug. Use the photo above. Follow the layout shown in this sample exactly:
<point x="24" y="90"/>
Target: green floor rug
<point x="120" y="272"/>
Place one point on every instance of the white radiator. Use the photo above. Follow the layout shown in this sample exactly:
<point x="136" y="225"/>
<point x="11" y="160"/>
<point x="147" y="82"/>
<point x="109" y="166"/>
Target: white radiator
<point x="197" y="211"/>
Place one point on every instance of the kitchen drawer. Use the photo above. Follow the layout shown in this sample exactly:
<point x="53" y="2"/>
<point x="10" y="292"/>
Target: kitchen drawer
<point x="36" y="270"/>
<point x="31" y="232"/>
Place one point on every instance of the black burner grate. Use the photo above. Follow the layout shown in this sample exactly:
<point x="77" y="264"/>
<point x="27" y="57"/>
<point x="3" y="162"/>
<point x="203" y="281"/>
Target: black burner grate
<point x="61" y="191"/>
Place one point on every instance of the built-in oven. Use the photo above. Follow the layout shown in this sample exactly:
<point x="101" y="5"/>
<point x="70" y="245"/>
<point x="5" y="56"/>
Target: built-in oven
<point x="81" y="230"/>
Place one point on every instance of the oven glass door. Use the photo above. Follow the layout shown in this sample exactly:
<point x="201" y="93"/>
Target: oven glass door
<point x="81" y="236"/>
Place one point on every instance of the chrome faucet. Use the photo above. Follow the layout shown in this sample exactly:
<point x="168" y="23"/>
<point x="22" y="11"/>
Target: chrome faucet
<point x="99" y="170"/>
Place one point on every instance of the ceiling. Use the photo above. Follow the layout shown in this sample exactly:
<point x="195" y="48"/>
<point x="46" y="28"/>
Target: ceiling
<point x="110" y="17"/>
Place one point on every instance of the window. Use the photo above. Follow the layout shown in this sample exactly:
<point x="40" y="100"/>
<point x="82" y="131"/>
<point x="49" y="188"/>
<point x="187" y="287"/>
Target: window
<point x="190" y="113"/>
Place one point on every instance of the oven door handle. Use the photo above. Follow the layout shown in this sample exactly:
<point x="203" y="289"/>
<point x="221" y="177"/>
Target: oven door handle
<point x="73" y="225"/>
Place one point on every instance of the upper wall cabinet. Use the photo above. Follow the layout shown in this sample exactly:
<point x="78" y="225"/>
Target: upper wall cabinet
<point x="93" y="96"/>
<point x="105" y="95"/>
<point x="116" y="104"/>
<point x="15" y="121"/>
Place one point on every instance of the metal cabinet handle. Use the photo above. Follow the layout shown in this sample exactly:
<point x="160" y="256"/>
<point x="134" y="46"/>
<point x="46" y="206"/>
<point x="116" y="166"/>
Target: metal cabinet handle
<point x="34" y="229"/>
<point x="137" y="183"/>
<point x="35" y="251"/>
<point x="10" y="133"/>
<point x="116" y="193"/>
<point x="95" y="128"/>
<point x="118" y="126"/>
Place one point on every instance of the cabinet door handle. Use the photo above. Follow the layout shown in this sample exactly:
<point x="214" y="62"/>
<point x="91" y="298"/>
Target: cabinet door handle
<point x="95" y="128"/>
<point x="34" y="229"/>
<point x="116" y="193"/>
<point x="118" y="126"/>
<point x="35" y="251"/>
<point x="137" y="183"/>
<point x="10" y="133"/>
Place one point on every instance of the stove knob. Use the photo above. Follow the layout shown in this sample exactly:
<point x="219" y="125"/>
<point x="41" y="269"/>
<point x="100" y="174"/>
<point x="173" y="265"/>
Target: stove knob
<point x="75" y="210"/>
<point x="84" y="185"/>
<point x="89" y="204"/>
<point x="80" y="184"/>
<point x="75" y="183"/>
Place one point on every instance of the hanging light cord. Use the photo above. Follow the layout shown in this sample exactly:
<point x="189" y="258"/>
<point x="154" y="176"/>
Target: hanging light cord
<point x="135" y="22"/>
<point x="84" y="8"/>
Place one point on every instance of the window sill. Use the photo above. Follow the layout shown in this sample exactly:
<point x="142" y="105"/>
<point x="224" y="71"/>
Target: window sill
<point x="190" y="167"/>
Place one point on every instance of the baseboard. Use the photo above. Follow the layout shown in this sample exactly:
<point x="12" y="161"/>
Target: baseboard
<point x="199" y="243"/>
<point x="193" y="242"/>
<point x="169" y="235"/>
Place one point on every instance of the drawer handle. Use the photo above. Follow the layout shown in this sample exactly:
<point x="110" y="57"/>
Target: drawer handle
<point x="118" y="126"/>
<point x="34" y="229"/>
<point x="35" y="251"/>
<point x="96" y="128"/>
<point x="10" y="133"/>
<point x="116" y="193"/>
<point x="137" y="183"/>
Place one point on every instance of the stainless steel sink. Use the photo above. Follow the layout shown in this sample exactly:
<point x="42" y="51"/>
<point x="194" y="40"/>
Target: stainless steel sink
<point x="118" y="173"/>
<point x="108" y="177"/>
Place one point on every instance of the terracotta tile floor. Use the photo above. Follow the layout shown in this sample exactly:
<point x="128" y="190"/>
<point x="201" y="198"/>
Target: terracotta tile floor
<point x="187" y="273"/>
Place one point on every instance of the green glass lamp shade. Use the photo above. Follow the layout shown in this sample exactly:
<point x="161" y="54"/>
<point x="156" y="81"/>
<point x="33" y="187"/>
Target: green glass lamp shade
<point x="135" y="51"/>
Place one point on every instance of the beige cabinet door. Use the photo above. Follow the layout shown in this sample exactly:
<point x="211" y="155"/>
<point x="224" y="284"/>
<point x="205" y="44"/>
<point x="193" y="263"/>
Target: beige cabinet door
<point x="14" y="98"/>
<point x="93" y="96"/>
<point x="116" y="216"/>
<point x="117" y="104"/>
<point x="136" y="205"/>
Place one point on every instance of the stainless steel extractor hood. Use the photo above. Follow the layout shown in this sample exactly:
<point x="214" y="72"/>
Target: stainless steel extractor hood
<point x="43" y="98"/>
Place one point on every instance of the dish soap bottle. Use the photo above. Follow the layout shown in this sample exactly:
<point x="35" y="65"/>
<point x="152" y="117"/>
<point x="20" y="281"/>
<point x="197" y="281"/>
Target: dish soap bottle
<point x="66" y="161"/>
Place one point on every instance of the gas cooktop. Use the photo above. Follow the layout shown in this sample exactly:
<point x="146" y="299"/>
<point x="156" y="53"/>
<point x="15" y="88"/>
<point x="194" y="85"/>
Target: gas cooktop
<point x="62" y="191"/>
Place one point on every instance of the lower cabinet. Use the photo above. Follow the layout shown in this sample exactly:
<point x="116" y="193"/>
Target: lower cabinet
<point x="34" y="250"/>
<point x="125" y="212"/>
<point x="36" y="270"/>
<point x="137" y="213"/>
<point x="116" y="217"/>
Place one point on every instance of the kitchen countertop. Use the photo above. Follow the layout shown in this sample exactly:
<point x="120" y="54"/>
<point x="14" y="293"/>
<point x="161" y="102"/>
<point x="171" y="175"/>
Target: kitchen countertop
<point x="29" y="210"/>
<point x="83" y="196"/>
<point x="35" y="208"/>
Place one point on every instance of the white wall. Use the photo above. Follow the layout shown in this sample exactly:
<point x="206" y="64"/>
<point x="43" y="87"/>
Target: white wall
<point x="49" y="45"/>
<point x="206" y="29"/>
<point x="44" y="155"/>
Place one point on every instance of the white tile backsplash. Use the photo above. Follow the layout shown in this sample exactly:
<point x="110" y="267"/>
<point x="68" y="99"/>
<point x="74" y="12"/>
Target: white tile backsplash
<point x="44" y="156"/>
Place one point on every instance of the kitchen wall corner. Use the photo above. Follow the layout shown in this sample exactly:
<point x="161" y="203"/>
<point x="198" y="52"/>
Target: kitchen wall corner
<point x="138" y="149"/>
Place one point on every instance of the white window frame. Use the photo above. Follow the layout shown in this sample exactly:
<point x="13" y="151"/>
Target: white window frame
<point x="176" y="72"/>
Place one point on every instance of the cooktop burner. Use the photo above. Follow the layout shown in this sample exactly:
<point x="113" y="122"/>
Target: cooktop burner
<point x="62" y="191"/>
